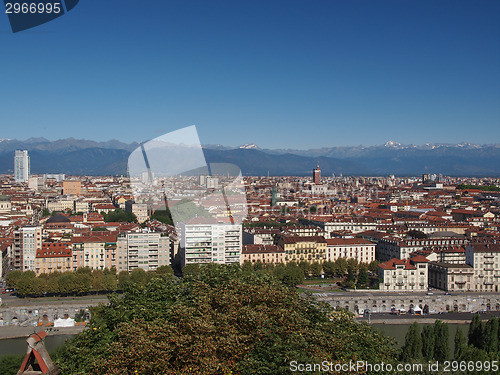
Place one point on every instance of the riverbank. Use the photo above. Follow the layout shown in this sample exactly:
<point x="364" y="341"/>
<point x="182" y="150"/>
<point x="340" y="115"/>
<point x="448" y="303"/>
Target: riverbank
<point x="12" y="332"/>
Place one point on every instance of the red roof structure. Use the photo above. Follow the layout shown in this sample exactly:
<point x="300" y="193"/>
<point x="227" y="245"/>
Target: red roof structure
<point x="37" y="359"/>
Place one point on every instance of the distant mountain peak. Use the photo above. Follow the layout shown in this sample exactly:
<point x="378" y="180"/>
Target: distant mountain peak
<point x="249" y="146"/>
<point x="392" y="144"/>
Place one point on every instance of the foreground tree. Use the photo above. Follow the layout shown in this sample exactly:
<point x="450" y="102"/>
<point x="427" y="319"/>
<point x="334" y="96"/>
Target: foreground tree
<point x="428" y="342"/>
<point x="218" y="321"/>
<point x="412" y="349"/>
<point x="476" y="332"/>
<point x="441" y="343"/>
<point x="460" y="344"/>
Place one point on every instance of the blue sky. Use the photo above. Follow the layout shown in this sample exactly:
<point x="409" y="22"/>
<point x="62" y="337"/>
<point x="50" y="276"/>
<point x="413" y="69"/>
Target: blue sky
<point x="281" y="74"/>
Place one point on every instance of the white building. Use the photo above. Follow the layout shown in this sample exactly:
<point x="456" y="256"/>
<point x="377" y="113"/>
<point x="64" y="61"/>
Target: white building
<point x="206" y="243"/>
<point x="484" y="257"/>
<point x="142" y="250"/>
<point x="5" y="204"/>
<point x="404" y="274"/>
<point x="21" y="166"/>
<point x="27" y="240"/>
<point x="356" y="248"/>
<point x="36" y="183"/>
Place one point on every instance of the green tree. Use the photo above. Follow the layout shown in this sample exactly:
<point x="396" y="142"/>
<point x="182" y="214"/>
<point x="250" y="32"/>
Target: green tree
<point x="26" y="284"/>
<point x="305" y="266"/>
<point x="13" y="277"/>
<point x="491" y="334"/>
<point x="316" y="269"/>
<point x="247" y="266"/>
<point x="110" y="271"/>
<point x="363" y="278"/>
<point x="163" y="216"/>
<point x="373" y="267"/>
<point x="123" y="280"/>
<point x="329" y="268"/>
<point x="119" y="215"/>
<point x="352" y="266"/>
<point x="66" y="283"/>
<point x="191" y="270"/>
<point x="258" y="266"/>
<point x="460" y="344"/>
<point x="97" y="280"/>
<point x="82" y="283"/>
<point x="164" y="271"/>
<point x="428" y="342"/>
<point x="340" y="267"/>
<point x="10" y="364"/>
<point x="220" y="321"/>
<point x="52" y="286"/>
<point x="476" y="332"/>
<point x="110" y="282"/>
<point x="412" y="349"/>
<point x="139" y="276"/>
<point x="441" y="341"/>
<point x="292" y="275"/>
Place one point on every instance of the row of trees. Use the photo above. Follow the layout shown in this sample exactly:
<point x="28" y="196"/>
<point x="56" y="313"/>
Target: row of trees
<point x="81" y="282"/>
<point x="349" y="270"/>
<point x="478" y="187"/>
<point x="84" y="280"/>
<point x="432" y="343"/>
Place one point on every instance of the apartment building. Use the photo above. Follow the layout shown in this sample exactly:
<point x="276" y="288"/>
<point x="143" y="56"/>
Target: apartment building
<point x="60" y="205"/>
<point x="356" y="248"/>
<point x="140" y="210"/>
<point x="259" y="236"/>
<point x="147" y="251"/>
<point x="263" y="253"/>
<point x="204" y="242"/>
<point x="72" y="187"/>
<point x="338" y="225"/>
<point x="484" y="257"/>
<point x="303" y="248"/>
<point x="54" y="257"/>
<point x="27" y="240"/>
<point x="404" y="274"/>
<point x="451" y="277"/>
<point x="388" y="248"/>
<point x="96" y="250"/>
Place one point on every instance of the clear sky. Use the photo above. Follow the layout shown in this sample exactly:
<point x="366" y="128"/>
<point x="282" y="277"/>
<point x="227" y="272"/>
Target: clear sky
<point x="281" y="74"/>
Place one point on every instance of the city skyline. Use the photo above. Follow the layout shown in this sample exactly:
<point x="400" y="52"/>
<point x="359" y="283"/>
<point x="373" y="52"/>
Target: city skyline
<point x="328" y="74"/>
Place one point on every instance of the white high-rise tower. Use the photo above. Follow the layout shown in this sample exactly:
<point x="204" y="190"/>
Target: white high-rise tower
<point x="21" y="166"/>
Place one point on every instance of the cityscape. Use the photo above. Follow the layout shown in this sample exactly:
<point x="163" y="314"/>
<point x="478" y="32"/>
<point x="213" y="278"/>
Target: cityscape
<point x="417" y="233"/>
<point x="379" y="248"/>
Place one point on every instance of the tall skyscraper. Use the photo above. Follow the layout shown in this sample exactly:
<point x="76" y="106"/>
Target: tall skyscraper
<point x="317" y="175"/>
<point x="21" y="166"/>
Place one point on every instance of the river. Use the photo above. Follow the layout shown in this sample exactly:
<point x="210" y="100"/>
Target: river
<point x="398" y="331"/>
<point x="18" y="345"/>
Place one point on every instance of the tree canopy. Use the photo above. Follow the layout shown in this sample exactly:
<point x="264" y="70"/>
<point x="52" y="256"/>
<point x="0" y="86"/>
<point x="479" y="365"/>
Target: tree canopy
<point x="217" y="320"/>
